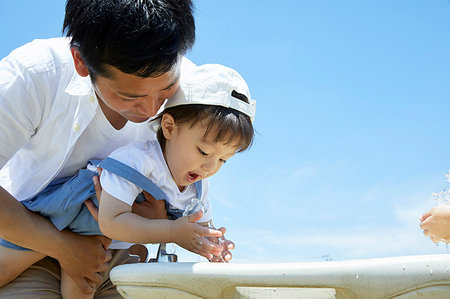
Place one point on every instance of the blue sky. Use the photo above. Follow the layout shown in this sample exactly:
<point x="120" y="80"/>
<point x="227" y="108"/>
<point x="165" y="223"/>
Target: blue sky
<point x="352" y="120"/>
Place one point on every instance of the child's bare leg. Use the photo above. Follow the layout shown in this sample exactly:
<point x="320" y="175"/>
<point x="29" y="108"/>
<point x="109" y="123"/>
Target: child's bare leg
<point x="69" y="289"/>
<point x="13" y="262"/>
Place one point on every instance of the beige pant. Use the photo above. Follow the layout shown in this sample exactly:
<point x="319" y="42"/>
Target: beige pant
<point x="42" y="280"/>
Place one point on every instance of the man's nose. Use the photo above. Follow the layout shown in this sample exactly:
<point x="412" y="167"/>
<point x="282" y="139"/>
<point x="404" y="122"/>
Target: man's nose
<point x="150" y="106"/>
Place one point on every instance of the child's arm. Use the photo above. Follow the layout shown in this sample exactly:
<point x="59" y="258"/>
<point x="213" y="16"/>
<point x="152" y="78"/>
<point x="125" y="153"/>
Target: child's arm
<point x="117" y="222"/>
<point x="436" y="223"/>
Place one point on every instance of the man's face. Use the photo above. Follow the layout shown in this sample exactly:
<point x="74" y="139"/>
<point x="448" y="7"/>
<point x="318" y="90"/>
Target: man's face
<point x="134" y="98"/>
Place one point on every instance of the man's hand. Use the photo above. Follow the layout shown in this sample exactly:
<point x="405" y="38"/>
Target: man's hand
<point x="84" y="258"/>
<point x="150" y="208"/>
<point x="436" y="224"/>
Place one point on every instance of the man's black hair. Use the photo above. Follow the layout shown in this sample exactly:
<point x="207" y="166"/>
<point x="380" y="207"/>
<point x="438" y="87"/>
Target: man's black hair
<point x="141" y="37"/>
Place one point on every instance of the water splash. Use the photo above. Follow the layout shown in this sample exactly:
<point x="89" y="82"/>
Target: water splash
<point x="443" y="197"/>
<point x="195" y="205"/>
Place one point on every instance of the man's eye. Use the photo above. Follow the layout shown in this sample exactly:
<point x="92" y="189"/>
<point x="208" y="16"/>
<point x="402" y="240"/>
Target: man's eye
<point x="222" y="161"/>
<point x="127" y="99"/>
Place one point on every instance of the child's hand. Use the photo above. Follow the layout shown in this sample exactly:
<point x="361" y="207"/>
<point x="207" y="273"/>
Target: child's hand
<point x="227" y="245"/>
<point x="192" y="236"/>
<point x="436" y="224"/>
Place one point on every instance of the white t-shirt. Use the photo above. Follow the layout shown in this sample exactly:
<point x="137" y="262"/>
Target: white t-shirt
<point x="147" y="158"/>
<point x="98" y="140"/>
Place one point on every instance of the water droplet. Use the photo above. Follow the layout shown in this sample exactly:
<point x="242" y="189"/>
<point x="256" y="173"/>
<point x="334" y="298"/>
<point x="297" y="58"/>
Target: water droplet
<point x="443" y="197"/>
<point x="357" y="276"/>
<point x="404" y="267"/>
<point x="431" y="272"/>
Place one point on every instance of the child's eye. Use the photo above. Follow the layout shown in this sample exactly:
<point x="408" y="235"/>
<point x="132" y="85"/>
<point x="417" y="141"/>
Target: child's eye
<point x="202" y="152"/>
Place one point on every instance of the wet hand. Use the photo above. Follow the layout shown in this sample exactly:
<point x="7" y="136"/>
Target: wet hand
<point x="193" y="237"/>
<point x="227" y="245"/>
<point x="436" y="224"/>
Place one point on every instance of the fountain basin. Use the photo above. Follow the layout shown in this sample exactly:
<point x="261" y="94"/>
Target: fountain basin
<point x="423" y="276"/>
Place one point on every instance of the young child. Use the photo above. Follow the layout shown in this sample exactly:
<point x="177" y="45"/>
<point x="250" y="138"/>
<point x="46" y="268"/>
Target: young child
<point x="204" y="124"/>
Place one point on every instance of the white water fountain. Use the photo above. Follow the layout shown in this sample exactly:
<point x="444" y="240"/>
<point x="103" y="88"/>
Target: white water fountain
<point x="406" y="277"/>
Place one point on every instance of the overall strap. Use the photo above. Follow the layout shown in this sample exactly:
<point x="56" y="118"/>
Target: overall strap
<point x="198" y="187"/>
<point x="133" y="176"/>
<point x="175" y="213"/>
<point x="95" y="162"/>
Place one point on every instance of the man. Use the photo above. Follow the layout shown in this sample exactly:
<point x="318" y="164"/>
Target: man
<point x="64" y="101"/>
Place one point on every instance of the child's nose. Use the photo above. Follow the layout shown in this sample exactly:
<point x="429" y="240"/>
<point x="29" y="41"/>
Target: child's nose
<point x="209" y="165"/>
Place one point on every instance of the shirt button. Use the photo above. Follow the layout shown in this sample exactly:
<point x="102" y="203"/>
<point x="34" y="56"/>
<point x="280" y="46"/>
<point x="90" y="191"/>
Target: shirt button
<point x="76" y="126"/>
<point x="92" y="99"/>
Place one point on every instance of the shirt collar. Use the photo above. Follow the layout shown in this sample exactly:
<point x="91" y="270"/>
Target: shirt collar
<point x="79" y="86"/>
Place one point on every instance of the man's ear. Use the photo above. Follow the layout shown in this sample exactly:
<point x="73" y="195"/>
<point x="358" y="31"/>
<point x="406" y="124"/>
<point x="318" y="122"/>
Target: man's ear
<point x="168" y="126"/>
<point x="78" y="61"/>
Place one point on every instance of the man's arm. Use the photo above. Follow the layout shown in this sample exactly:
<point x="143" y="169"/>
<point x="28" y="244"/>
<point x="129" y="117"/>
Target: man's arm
<point x="21" y="113"/>
<point x="81" y="256"/>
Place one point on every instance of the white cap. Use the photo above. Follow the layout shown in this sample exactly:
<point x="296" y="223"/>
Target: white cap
<point x="213" y="84"/>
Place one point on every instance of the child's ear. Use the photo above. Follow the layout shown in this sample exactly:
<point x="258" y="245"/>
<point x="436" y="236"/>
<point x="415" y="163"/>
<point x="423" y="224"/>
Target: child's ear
<point x="168" y="126"/>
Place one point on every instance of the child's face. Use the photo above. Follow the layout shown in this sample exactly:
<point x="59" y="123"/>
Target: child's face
<point x="190" y="156"/>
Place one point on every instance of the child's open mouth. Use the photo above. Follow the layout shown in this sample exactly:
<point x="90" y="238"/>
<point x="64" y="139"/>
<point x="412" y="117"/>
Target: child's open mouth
<point x="192" y="176"/>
